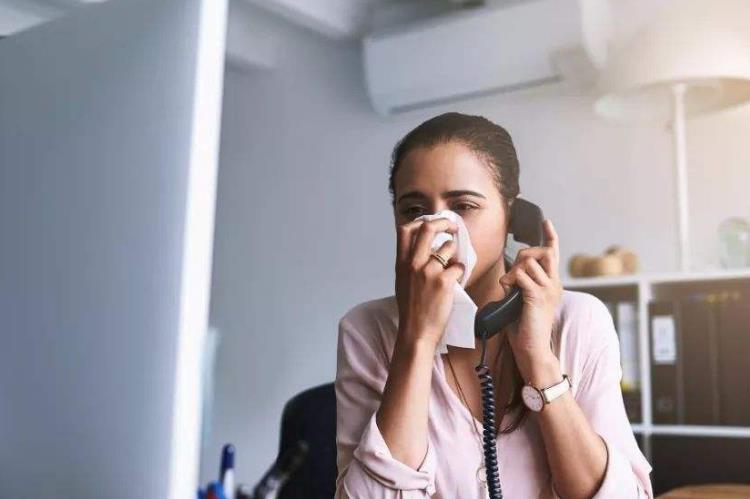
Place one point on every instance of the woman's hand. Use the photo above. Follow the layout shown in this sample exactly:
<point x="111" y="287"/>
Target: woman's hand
<point x="535" y="271"/>
<point x="424" y="290"/>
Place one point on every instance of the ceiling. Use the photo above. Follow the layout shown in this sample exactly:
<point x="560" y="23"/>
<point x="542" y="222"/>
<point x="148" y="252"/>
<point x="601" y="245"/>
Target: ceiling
<point x="351" y="19"/>
<point x="337" y="19"/>
<point x="248" y="43"/>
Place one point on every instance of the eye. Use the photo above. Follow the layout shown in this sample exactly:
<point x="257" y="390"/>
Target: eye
<point x="412" y="211"/>
<point x="464" y="207"/>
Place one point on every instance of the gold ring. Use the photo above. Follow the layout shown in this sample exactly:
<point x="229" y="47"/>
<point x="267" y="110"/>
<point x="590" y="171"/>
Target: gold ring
<point x="440" y="258"/>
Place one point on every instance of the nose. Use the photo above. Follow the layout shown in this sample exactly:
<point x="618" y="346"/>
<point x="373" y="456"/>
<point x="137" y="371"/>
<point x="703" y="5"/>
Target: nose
<point x="440" y="205"/>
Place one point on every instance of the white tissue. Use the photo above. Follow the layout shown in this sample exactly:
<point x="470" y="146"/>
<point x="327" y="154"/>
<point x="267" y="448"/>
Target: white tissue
<point x="459" y="331"/>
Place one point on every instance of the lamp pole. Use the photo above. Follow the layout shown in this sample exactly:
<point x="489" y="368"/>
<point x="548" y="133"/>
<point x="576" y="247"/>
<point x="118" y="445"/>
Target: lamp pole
<point x="681" y="181"/>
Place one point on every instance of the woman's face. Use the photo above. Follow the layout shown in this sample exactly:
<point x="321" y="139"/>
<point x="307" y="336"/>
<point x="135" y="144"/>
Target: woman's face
<point x="451" y="176"/>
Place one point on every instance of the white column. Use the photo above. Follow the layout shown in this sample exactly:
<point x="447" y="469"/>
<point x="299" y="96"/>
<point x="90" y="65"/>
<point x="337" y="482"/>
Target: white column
<point x="681" y="181"/>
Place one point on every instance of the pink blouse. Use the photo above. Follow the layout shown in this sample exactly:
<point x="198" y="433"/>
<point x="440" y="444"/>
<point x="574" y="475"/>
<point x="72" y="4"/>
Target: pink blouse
<point x="586" y="343"/>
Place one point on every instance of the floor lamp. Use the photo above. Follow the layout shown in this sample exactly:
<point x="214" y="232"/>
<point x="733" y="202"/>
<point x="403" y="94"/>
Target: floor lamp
<point x="692" y="59"/>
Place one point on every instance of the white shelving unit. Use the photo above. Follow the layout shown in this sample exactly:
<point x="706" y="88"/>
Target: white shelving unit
<point x="644" y="288"/>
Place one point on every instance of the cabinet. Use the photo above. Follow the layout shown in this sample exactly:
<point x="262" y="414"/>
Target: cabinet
<point x="643" y="289"/>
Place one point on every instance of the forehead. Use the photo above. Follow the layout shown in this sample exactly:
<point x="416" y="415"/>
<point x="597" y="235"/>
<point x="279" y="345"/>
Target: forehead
<point x="443" y="167"/>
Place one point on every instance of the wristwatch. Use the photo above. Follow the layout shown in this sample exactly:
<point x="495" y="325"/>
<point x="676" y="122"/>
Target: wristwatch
<point x="536" y="398"/>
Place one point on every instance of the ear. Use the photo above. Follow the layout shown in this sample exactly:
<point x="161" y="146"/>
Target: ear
<point x="508" y="218"/>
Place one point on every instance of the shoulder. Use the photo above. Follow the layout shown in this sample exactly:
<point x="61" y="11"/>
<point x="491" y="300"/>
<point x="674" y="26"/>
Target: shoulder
<point x="371" y="325"/>
<point x="584" y="329"/>
<point x="378" y="309"/>
<point x="580" y="307"/>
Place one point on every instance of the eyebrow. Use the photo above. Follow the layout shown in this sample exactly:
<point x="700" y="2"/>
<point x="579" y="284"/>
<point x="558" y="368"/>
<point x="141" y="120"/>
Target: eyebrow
<point x="447" y="194"/>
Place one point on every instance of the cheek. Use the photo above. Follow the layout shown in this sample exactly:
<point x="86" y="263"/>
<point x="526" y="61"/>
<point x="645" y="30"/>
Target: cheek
<point x="488" y="242"/>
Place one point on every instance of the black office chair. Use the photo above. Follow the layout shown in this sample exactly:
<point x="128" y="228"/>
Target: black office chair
<point x="310" y="416"/>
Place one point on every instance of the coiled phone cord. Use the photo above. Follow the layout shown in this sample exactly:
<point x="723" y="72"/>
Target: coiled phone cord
<point x="489" y="435"/>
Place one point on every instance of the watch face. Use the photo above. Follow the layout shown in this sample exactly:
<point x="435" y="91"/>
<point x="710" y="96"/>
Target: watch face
<point x="532" y="398"/>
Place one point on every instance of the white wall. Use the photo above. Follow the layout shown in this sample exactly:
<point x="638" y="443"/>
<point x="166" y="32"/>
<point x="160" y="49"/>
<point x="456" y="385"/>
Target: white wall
<point x="108" y="158"/>
<point x="304" y="228"/>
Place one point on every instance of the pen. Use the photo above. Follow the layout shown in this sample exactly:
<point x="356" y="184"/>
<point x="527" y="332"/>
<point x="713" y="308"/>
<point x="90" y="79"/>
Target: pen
<point x="226" y="472"/>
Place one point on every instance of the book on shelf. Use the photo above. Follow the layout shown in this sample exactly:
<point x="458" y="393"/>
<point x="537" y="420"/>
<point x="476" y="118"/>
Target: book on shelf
<point x="734" y="353"/>
<point x="627" y="328"/>
<point x="666" y="364"/>
<point x="625" y="318"/>
<point x="700" y="359"/>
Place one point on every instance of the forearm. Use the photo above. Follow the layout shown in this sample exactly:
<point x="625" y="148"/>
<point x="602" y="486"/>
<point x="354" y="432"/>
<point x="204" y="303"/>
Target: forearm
<point x="402" y="416"/>
<point x="576" y="455"/>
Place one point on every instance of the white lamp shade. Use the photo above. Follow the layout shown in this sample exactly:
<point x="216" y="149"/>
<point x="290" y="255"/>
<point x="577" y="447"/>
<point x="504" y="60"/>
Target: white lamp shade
<point x="703" y="43"/>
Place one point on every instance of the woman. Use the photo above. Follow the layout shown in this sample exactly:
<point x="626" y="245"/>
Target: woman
<point x="409" y="418"/>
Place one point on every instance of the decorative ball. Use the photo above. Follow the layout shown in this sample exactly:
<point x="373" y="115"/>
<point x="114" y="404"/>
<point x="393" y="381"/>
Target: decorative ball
<point x="577" y="265"/>
<point x="616" y="260"/>
<point x="604" y="265"/>
<point x="629" y="258"/>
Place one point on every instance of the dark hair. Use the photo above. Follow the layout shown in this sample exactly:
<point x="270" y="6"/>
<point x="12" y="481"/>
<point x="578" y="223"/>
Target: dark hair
<point x="489" y="141"/>
<point x="494" y="146"/>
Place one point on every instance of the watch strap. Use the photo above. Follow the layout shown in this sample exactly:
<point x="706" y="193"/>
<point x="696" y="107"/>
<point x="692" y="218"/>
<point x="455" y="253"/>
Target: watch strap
<point x="552" y="392"/>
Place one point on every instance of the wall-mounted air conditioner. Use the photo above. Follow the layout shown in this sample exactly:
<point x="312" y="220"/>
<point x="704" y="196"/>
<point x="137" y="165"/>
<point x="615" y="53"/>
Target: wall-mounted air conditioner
<point x="471" y="53"/>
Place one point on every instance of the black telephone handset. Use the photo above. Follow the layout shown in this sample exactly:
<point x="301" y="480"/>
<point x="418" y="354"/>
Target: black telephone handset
<point x="526" y="226"/>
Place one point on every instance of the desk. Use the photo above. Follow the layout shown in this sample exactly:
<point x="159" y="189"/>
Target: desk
<point x="712" y="491"/>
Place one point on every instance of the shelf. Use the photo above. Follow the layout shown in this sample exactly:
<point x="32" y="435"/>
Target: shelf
<point x="693" y="430"/>
<point x="656" y="278"/>
<point x="706" y="275"/>
<point x="641" y="289"/>
<point x="603" y="281"/>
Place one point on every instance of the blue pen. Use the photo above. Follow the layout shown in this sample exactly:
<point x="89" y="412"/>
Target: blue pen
<point x="216" y="491"/>
<point x="226" y="472"/>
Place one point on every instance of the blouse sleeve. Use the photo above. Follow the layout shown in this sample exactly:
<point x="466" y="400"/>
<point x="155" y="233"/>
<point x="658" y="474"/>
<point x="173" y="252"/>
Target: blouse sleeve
<point x="600" y="397"/>
<point x="366" y="468"/>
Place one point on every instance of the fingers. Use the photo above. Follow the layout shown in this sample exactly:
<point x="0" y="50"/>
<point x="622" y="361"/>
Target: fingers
<point x="404" y="236"/>
<point x="423" y="241"/>
<point x="536" y="272"/>
<point x="527" y="283"/>
<point x="453" y="273"/>
<point x="447" y="250"/>
<point x="551" y="240"/>
<point x="518" y="277"/>
<point x="529" y="266"/>
<point x="549" y="253"/>
<point x="544" y="255"/>
<point x="508" y="280"/>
